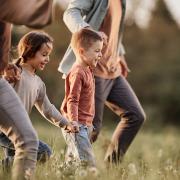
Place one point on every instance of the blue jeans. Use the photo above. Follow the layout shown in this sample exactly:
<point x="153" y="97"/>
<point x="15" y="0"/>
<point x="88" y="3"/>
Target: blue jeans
<point x="79" y="146"/>
<point x="44" y="151"/>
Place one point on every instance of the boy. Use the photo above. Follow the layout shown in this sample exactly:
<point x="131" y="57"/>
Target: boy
<point x="78" y="104"/>
<point x="112" y="87"/>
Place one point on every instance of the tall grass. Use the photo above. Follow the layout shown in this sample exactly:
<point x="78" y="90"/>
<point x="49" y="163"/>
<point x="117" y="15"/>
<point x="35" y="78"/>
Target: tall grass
<point x="152" y="156"/>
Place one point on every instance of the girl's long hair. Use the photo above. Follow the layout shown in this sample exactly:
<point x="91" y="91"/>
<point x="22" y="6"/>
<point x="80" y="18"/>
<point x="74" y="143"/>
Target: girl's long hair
<point x="29" y="44"/>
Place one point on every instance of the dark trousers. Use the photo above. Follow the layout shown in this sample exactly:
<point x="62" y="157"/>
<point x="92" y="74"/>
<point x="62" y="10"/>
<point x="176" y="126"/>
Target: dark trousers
<point x="119" y="97"/>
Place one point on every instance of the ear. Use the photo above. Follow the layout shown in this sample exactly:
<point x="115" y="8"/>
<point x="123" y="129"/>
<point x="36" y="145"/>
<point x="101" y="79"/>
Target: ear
<point x="81" y="51"/>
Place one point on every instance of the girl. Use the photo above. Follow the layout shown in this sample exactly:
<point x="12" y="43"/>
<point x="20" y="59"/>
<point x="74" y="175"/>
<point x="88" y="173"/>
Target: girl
<point x="34" y="49"/>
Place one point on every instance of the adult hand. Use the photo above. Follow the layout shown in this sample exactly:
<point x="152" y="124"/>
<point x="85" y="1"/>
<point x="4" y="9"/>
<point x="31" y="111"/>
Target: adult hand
<point x="94" y="136"/>
<point x="104" y="38"/>
<point x="124" y="67"/>
<point x="12" y="73"/>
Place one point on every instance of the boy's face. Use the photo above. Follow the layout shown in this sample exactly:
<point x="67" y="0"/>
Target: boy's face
<point x="92" y="55"/>
<point x="41" y="58"/>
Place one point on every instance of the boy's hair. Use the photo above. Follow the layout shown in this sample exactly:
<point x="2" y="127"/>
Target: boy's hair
<point x="30" y="43"/>
<point x="84" y="38"/>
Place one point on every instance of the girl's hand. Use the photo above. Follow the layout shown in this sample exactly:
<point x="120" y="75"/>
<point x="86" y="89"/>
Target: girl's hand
<point x="73" y="127"/>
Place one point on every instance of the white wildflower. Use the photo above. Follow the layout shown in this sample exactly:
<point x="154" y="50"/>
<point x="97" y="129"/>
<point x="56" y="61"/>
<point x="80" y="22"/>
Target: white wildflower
<point x="93" y="171"/>
<point x="132" y="169"/>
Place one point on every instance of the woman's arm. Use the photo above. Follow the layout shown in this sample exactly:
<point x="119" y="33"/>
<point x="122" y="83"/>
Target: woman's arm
<point x="73" y="16"/>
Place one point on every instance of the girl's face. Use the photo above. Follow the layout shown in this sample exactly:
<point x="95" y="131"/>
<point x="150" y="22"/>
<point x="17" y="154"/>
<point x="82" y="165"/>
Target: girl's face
<point x="41" y="58"/>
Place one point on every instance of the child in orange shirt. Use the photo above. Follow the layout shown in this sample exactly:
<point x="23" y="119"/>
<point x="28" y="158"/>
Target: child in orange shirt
<point x="78" y="104"/>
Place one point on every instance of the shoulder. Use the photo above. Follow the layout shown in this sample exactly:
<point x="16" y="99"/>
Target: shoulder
<point x="77" y="72"/>
<point x="77" y="69"/>
<point x="40" y="82"/>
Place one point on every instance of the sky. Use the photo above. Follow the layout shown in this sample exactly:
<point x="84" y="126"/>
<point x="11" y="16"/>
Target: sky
<point x="141" y="10"/>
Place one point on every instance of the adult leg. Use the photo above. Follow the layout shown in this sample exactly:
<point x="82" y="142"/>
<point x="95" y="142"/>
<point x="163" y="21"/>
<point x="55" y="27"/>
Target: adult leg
<point x="123" y="100"/>
<point x="102" y="90"/>
<point x="16" y="125"/>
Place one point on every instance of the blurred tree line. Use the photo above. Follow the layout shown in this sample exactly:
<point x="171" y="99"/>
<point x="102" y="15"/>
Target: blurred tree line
<point x="152" y="54"/>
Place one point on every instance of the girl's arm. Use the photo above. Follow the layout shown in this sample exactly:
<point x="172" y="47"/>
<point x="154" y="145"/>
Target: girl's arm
<point x="48" y="110"/>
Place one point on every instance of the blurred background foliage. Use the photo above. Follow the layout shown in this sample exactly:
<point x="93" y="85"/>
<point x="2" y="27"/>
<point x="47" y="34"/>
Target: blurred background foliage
<point x="153" y="56"/>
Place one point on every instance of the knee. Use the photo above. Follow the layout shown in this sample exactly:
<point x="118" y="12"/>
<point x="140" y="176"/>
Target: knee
<point x="140" y="117"/>
<point x="44" y="152"/>
<point x="29" y="144"/>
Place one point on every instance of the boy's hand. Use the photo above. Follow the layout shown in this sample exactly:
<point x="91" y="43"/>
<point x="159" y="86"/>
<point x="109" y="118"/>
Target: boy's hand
<point x="12" y="73"/>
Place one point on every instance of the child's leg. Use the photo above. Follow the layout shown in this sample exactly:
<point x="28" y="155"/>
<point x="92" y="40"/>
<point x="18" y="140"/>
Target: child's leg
<point x="8" y="146"/>
<point x="84" y="146"/>
<point x="44" y="152"/>
<point x="71" y="150"/>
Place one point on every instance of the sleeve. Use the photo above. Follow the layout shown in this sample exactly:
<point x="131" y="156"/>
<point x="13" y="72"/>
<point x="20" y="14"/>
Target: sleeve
<point x="32" y="13"/>
<point x="48" y="110"/>
<point x="121" y="50"/>
<point x="73" y="16"/>
<point x="5" y="40"/>
<point x="75" y="82"/>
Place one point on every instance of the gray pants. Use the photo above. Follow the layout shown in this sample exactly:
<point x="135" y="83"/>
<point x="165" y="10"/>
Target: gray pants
<point x="16" y="125"/>
<point x="119" y="97"/>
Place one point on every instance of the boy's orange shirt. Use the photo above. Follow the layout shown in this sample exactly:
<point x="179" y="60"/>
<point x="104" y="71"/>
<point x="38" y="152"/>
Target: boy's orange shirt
<point x="78" y="104"/>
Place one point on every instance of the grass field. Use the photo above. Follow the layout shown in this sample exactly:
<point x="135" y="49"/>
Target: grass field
<point x="154" y="155"/>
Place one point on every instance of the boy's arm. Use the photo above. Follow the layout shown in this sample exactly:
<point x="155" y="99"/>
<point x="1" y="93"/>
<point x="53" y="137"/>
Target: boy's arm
<point x="48" y="110"/>
<point x="73" y="16"/>
<point x="75" y="81"/>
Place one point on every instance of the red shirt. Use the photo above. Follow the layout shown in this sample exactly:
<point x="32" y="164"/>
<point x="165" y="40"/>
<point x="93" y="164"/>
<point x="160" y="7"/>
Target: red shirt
<point x="78" y="104"/>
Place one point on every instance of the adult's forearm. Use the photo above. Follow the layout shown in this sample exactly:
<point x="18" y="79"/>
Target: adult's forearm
<point x="74" y="20"/>
<point x="5" y="40"/>
<point x="33" y="13"/>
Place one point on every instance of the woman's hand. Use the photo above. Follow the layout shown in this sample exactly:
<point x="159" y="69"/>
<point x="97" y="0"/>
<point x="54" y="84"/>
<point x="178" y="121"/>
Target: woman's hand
<point x="124" y="67"/>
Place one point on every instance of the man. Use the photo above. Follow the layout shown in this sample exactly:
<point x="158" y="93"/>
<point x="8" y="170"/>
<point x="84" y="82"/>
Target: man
<point x="111" y="87"/>
<point x="14" y="121"/>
